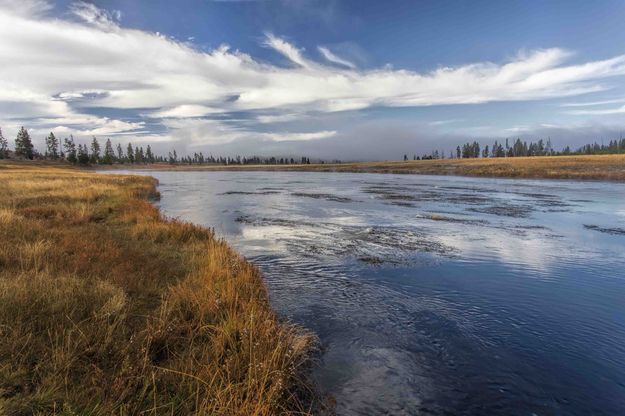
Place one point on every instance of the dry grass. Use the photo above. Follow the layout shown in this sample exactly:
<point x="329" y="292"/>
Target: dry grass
<point x="597" y="167"/>
<point x="108" y="308"/>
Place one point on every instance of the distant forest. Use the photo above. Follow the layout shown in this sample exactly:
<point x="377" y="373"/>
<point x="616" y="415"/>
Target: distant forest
<point x="522" y="148"/>
<point x="108" y="154"/>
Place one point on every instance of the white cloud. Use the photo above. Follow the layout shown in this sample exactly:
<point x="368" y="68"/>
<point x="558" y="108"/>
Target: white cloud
<point x="286" y="49"/>
<point x="444" y="122"/>
<point x="202" y="132"/>
<point x="327" y="54"/>
<point x="56" y="68"/>
<point x="277" y="118"/>
<point x="185" y="111"/>
<point x="605" y="111"/>
<point x="26" y="7"/>
<point x="594" y="103"/>
<point x="283" y="137"/>
<point x="92" y="14"/>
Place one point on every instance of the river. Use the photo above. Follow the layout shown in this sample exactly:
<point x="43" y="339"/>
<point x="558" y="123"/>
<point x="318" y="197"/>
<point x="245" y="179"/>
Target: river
<point x="435" y="295"/>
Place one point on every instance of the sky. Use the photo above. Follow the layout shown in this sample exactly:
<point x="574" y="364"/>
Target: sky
<point x="350" y="80"/>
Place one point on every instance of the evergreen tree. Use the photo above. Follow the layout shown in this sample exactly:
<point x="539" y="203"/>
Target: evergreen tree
<point x="4" y="147"/>
<point x="23" y="144"/>
<point x="548" y="147"/>
<point x="485" y="152"/>
<point x="52" y="147"/>
<point x="83" y="154"/>
<point x="95" y="151"/>
<point x="130" y="154"/>
<point x="109" y="153"/>
<point x="120" y="153"/>
<point x="150" y="156"/>
<point x="139" y="154"/>
<point x="70" y="149"/>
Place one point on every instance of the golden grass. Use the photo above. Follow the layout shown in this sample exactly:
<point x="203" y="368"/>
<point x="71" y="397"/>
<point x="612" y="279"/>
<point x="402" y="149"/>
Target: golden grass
<point x="598" y="167"/>
<point x="108" y="308"/>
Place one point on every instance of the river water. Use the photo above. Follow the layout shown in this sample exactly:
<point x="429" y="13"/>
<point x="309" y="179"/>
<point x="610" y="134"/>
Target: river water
<point x="436" y="295"/>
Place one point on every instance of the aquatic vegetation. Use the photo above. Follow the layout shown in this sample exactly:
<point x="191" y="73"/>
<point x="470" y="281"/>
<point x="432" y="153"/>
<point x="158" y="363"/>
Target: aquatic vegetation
<point x="327" y="197"/>
<point x="607" y="230"/>
<point x="107" y="307"/>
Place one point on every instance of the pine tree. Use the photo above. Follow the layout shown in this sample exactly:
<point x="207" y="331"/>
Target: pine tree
<point x="52" y="147"/>
<point x="95" y="151"/>
<point x="130" y="154"/>
<point x="485" y="152"/>
<point x="70" y="149"/>
<point x="83" y="154"/>
<point x="150" y="156"/>
<point x="139" y="154"/>
<point x="120" y="153"/>
<point x="109" y="153"/>
<point x="4" y="147"/>
<point x="23" y="144"/>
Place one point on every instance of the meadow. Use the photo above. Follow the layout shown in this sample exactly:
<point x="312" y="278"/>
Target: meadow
<point x="587" y="167"/>
<point x="107" y="307"/>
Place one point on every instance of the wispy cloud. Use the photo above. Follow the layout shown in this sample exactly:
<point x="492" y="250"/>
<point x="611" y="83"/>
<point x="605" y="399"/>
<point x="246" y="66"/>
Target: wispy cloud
<point x="327" y="54"/>
<point x="593" y="103"/>
<point x="92" y="14"/>
<point x="605" y="111"/>
<point x="185" y="111"/>
<point x="286" y="49"/>
<point x="283" y="137"/>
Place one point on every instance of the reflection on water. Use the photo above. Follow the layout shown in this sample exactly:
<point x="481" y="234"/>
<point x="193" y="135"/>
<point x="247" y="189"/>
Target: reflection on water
<point x="436" y="295"/>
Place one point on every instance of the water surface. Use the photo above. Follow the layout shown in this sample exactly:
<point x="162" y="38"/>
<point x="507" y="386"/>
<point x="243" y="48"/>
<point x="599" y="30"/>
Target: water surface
<point x="436" y="295"/>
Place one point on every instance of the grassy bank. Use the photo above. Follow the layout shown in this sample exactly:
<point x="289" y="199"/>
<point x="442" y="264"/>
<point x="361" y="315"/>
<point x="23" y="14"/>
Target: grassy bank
<point x="108" y="308"/>
<point x="596" y="167"/>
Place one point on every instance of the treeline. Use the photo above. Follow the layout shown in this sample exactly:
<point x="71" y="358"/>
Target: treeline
<point x="521" y="148"/>
<point x="94" y="153"/>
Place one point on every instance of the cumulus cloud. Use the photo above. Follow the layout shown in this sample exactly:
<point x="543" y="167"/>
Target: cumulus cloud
<point x="58" y="69"/>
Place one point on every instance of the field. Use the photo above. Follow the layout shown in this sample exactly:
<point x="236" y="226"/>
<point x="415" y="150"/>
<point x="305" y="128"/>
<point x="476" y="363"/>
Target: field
<point x="108" y="308"/>
<point x="600" y="167"/>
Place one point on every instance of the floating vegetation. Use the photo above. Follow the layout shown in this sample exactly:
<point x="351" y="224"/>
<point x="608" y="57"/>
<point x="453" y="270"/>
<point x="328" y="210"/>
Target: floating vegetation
<point x="327" y="197"/>
<point x="264" y="192"/>
<point x="613" y="231"/>
<point x="507" y="210"/>
<point x="438" y="217"/>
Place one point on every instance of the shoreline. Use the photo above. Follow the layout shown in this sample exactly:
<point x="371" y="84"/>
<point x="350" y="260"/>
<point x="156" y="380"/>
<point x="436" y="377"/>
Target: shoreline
<point x="107" y="306"/>
<point x="594" y="167"/>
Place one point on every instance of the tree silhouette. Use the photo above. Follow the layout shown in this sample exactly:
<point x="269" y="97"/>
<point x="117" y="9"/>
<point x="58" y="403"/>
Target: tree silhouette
<point x="23" y="144"/>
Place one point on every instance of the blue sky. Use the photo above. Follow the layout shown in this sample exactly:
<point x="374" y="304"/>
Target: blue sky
<point x="345" y="79"/>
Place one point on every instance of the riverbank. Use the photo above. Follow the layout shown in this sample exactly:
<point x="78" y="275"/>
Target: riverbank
<point x="107" y="307"/>
<point x="592" y="167"/>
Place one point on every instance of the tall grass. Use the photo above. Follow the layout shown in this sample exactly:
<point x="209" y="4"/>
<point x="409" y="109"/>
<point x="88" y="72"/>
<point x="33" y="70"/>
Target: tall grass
<point x="108" y="308"/>
<point x="598" y="167"/>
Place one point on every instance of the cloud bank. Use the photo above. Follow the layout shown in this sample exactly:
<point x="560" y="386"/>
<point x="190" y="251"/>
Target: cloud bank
<point x="58" y="70"/>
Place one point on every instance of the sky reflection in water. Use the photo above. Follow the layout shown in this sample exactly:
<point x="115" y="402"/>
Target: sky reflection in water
<point x="436" y="295"/>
